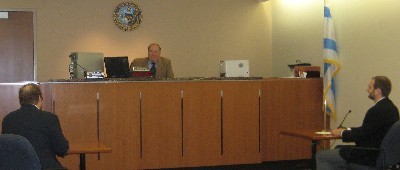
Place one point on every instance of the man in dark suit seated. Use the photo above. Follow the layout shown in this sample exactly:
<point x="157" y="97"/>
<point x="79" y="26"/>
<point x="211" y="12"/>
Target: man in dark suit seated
<point x="160" y="67"/>
<point x="41" y="128"/>
<point x="376" y="123"/>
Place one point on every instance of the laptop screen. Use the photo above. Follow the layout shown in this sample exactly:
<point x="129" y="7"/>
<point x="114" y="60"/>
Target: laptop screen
<point x="117" y="67"/>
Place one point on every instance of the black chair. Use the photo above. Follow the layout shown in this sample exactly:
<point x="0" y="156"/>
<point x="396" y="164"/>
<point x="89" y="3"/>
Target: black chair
<point x="16" y="152"/>
<point x="389" y="151"/>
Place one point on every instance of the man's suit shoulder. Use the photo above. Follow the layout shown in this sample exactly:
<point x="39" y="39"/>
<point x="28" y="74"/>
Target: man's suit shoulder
<point x="386" y="105"/>
<point x="49" y="116"/>
<point x="165" y="59"/>
<point x="139" y="62"/>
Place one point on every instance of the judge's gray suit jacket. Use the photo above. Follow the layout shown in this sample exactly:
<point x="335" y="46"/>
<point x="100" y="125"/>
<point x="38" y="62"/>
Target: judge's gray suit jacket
<point x="164" y="67"/>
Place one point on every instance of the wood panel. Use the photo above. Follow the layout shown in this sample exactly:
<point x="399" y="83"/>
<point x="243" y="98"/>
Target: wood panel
<point x="161" y="125"/>
<point x="47" y="97"/>
<point x="119" y="126"/>
<point x="241" y="122"/>
<point x="76" y="106"/>
<point x="202" y="124"/>
<point x="8" y="99"/>
<point x="290" y="104"/>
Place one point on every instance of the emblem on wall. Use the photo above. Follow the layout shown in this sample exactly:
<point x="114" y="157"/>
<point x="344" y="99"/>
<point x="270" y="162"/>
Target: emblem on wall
<point x="127" y="16"/>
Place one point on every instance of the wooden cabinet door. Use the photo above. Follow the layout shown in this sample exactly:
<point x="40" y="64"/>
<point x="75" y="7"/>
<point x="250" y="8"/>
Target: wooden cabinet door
<point x="76" y="106"/>
<point x="119" y="121"/>
<point x="161" y="125"/>
<point x="202" y="124"/>
<point x="241" y="125"/>
<point x="290" y="104"/>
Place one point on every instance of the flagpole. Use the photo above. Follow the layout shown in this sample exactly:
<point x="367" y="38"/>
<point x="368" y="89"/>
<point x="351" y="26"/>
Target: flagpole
<point x="324" y="130"/>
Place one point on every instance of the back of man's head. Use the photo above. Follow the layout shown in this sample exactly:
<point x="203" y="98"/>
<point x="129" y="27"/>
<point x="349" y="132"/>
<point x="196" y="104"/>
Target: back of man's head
<point x="29" y="94"/>
<point x="383" y="83"/>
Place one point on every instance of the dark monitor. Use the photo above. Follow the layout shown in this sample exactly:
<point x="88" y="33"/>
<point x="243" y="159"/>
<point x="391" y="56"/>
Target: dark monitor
<point x="313" y="74"/>
<point x="117" y="67"/>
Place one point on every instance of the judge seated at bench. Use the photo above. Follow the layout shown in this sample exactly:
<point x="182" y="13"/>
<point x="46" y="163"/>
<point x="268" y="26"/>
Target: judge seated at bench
<point x="159" y="67"/>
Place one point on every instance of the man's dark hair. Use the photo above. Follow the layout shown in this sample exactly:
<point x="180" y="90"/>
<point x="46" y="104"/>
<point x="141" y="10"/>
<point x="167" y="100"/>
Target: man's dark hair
<point x="383" y="83"/>
<point x="29" y="94"/>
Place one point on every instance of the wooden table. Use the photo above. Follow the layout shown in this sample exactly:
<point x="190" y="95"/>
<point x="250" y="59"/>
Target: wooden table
<point x="87" y="148"/>
<point x="310" y="135"/>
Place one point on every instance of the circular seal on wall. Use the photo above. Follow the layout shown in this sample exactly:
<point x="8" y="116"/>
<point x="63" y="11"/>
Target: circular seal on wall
<point x="127" y="16"/>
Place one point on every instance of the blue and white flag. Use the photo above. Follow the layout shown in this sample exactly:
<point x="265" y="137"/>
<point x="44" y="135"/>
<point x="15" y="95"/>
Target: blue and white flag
<point x="331" y="63"/>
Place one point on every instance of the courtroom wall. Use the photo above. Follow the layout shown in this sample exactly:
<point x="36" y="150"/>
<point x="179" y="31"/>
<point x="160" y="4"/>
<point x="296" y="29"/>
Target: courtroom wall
<point x="367" y="35"/>
<point x="194" y="34"/>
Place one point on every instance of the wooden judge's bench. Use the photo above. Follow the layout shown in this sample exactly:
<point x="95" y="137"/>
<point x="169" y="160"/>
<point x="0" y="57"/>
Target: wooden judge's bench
<point x="182" y="122"/>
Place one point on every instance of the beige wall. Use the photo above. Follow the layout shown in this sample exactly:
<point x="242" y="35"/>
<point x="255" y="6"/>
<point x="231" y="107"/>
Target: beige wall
<point x="297" y="30"/>
<point x="194" y="34"/>
<point x="367" y="32"/>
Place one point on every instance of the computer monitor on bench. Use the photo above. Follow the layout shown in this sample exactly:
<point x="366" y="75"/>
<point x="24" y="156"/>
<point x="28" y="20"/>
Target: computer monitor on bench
<point x="117" y="67"/>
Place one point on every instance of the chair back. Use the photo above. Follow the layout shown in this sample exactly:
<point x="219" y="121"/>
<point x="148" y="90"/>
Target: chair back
<point x="16" y="152"/>
<point x="390" y="148"/>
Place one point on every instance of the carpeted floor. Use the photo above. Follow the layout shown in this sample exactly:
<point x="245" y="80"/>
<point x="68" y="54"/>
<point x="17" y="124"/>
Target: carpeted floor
<point x="279" y="165"/>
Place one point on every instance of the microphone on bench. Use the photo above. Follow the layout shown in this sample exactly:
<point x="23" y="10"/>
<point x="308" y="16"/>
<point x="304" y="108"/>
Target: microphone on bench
<point x="340" y="126"/>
